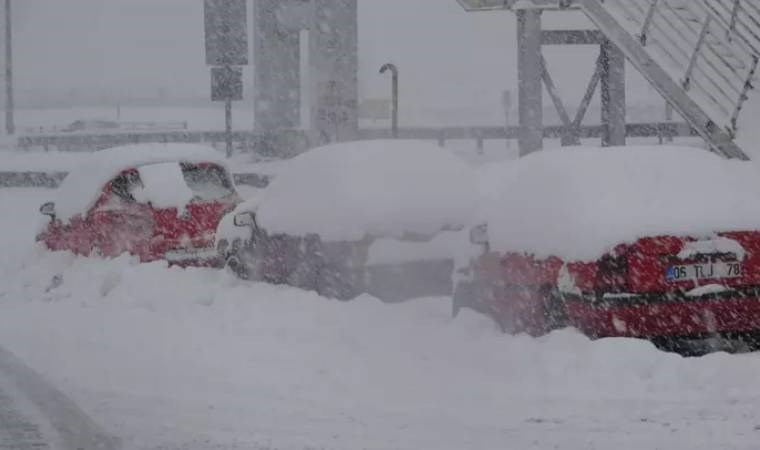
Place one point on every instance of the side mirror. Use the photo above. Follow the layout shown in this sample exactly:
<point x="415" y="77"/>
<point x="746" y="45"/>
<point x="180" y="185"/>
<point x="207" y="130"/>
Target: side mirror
<point x="48" y="209"/>
<point x="479" y="234"/>
<point x="245" y="219"/>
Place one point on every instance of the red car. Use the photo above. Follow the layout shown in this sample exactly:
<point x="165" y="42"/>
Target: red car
<point x="154" y="201"/>
<point x="660" y="243"/>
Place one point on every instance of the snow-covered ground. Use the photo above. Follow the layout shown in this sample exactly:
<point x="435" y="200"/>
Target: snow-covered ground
<point x="172" y="358"/>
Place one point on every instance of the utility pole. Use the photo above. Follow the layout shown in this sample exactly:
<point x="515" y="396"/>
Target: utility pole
<point x="10" y="127"/>
<point x="228" y="116"/>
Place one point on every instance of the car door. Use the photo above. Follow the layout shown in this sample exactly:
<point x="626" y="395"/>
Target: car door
<point x="118" y="223"/>
<point x="191" y="226"/>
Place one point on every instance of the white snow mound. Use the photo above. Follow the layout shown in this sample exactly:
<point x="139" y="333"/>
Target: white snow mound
<point x="164" y="186"/>
<point x="578" y="203"/>
<point x="381" y="188"/>
<point x="80" y="188"/>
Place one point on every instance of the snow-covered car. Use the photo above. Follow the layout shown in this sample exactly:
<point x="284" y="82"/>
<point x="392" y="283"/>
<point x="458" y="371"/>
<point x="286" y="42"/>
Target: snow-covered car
<point x="155" y="201"/>
<point x="378" y="217"/>
<point x="660" y="242"/>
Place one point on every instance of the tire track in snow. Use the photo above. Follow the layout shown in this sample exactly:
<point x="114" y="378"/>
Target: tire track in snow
<point x="35" y="415"/>
<point x="17" y="431"/>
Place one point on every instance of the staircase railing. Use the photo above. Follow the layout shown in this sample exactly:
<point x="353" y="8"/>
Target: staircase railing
<point x="710" y="46"/>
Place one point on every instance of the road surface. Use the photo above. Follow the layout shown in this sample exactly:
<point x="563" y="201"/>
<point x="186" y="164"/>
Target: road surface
<point x="34" y="415"/>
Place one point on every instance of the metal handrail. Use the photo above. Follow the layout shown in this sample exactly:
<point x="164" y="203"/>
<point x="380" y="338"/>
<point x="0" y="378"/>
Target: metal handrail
<point x="692" y="62"/>
<point x="710" y="9"/>
<point x="734" y="10"/>
<point x="708" y="110"/>
<point x="720" y="57"/>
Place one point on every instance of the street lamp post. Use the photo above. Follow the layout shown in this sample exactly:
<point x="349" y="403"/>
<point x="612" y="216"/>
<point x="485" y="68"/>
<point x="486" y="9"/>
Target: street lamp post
<point x="394" y="89"/>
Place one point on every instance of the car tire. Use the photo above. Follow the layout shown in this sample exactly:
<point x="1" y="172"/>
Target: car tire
<point x="472" y="295"/>
<point x="238" y="259"/>
<point x="555" y="313"/>
<point x="336" y="283"/>
<point x="329" y="278"/>
<point x="463" y="297"/>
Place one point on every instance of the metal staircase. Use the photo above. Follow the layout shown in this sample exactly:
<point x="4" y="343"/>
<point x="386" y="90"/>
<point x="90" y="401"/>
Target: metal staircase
<point x="701" y="55"/>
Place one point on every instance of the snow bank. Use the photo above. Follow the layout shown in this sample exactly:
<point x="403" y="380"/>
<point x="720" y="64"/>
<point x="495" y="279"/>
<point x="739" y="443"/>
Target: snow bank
<point x="578" y="203"/>
<point x="218" y="363"/>
<point x="80" y="188"/>
<point x="382" y="188"/>
<point x="172" y="358"/>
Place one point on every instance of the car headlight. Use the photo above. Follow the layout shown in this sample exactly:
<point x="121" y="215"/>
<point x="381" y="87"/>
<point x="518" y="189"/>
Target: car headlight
<point x="245" y="219"/>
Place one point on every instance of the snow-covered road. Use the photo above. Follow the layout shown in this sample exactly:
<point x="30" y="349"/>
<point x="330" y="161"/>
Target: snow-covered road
<point x="194" y="359"/>
<point x="36" y="415"/>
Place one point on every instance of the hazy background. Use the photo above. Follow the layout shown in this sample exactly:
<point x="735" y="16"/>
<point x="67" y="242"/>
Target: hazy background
<point x="103" y="52"/>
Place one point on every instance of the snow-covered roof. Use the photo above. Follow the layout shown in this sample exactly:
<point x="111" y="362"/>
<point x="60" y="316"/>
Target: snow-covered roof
<point x="81" y="187"/>
<point x="379" y="188"/>
<point x="579" y="203"/>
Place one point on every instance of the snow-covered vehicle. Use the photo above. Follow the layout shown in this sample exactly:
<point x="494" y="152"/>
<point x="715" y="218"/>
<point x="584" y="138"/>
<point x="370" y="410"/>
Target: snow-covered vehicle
<point x="659" y="242"/>
<point x="155" y="201"/>
<point x="379" y="217"/>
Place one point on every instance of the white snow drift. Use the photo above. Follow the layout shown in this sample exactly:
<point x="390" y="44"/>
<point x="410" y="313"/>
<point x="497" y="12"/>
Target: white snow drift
<point x="578" y="203"/>
<point x="381" y="188"/>
<point x="172" y="358"/>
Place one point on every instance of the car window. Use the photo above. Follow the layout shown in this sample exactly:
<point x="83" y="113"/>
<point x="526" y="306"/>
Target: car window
<point x="207" y="181"/>
<point x="124" y="185"/>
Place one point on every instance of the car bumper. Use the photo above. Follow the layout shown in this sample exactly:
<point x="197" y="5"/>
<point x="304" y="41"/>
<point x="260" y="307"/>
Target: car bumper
<point x="687" y="317"/>
<point x="202" y="257"/>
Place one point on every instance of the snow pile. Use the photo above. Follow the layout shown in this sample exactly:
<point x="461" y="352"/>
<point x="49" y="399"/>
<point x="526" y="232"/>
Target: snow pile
<point x="164" y="186"/>
<point x="443" y="246"/>
<point x="578" y="203"/>
<point x="242" y="365"/>
<point x="80" y="189"/>
<point x="718" y="244"/>
<point x="171" y="358"/>
<point x="381" y="188"/>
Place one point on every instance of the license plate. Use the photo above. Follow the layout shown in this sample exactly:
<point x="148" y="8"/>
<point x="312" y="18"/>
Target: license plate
<point x="707" y="271"/>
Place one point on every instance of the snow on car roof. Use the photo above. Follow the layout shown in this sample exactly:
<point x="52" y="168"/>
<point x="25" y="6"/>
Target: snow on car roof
<point x="579" y="203"/>
<point x="380" y="188"/>
<point x="79" y="190"/>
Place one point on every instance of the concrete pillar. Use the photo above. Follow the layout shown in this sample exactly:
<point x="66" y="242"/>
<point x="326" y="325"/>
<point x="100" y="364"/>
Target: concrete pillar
<point x="613" y="94"/>
<point x="334" y="60"/>
<point x="276" y="62"/>
<point x="529" y="69"/>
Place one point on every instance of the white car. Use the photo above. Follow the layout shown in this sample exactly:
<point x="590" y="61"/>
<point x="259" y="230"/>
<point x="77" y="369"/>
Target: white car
<point x="380" y="217"/>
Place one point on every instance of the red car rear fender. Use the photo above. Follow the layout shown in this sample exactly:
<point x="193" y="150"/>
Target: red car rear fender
<point x="525" y="270"/>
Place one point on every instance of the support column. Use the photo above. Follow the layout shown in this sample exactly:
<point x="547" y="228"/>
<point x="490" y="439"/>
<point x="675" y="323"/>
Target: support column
<point x="529" y="70"/>
<point x="10" y="126"/>
<point x="277" y="62"/>
<point x="612" y="65"/>
<point x="334" y="61"/>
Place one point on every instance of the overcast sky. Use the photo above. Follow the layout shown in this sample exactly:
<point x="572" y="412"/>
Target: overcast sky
<point x="446" y="57"/>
